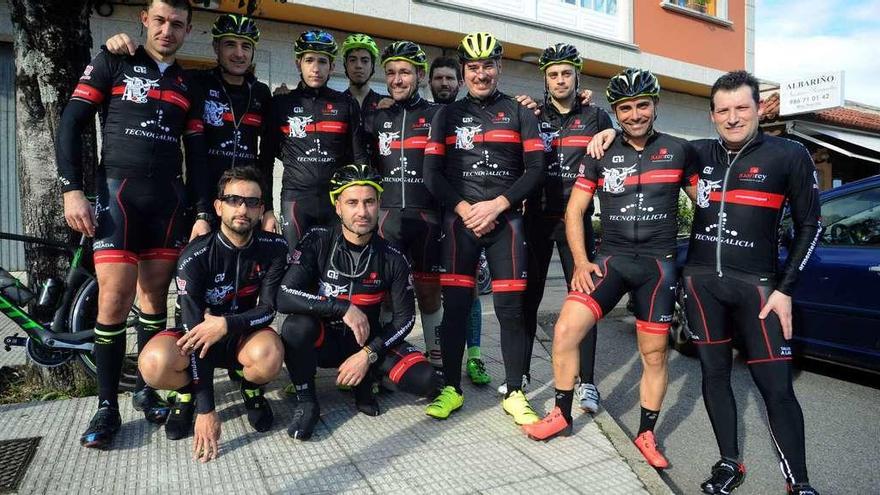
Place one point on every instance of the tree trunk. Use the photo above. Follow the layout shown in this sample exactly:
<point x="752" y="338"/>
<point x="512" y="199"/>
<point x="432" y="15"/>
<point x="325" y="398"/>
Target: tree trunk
<point x="52" y="42"/>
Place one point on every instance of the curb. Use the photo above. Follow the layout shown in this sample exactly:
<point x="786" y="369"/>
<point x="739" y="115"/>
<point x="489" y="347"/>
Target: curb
<point x="608" y="425"/>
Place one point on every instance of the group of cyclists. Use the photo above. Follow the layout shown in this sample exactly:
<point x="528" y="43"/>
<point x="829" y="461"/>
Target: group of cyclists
<point x="388" y="201"/>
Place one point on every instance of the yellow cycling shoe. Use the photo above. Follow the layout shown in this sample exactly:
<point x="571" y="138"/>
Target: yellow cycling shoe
<point x="518" y="406"/>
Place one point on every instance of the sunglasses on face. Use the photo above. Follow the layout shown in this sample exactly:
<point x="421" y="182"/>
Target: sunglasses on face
<point x="319" y="36"/>
<point x="236" y="201"/>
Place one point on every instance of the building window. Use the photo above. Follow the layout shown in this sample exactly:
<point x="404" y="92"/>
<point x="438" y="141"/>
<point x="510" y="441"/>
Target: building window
<point x="603" y="6"/>
<point x="709" y="7"/>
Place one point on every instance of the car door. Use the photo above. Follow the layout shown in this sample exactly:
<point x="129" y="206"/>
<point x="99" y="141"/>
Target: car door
<point x="837" y="301"/>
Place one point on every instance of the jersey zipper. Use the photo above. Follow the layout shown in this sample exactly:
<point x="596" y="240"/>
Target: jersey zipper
<point x="403" y="161"/>
<point x="721" y="214"/>
<point x="637" y="201"/>
<point x="236" y="122"/>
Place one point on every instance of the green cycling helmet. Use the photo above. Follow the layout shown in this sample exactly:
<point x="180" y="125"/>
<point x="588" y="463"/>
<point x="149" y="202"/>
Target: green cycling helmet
<point x="360" y="40"/>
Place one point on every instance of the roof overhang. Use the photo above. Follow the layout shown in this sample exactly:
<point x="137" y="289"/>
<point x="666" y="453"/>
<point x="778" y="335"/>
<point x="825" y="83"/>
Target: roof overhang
<point x="819" y="133"/>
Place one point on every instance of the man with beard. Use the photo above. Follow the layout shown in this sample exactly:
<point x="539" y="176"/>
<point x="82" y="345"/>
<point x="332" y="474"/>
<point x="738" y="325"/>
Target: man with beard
<point x="444" y="77"/>
<point x="147" y="103"/>
<point x="334" y="290"/>
<point x="483" y="158"/>
<point x="638" y="183"/>
<point x="314" y="129"/>
<point x="227" y="282"/>
<point x="567" y="126"/>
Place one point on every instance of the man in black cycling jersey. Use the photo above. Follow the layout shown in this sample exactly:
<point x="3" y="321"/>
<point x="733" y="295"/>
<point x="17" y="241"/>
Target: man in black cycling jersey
<point x="483" y="158"/>
<point x="567" y="126"/>
<point x="146" y="103"/>
<point x="227" y="281"/>
<point x="334" y="290"/>
<point x="409" y="216"/>
<point x="236" y="104"/>
<point x="732" y="281"/>
<point x="444" y="78"/>
<point x="638" y="183"/>
<point x="359" y="57"/>
<point x="314" y="129"/>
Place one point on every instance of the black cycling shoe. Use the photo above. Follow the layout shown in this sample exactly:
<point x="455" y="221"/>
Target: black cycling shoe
<point x="365" y="400"/>
<point x="180" y="421"/>
<point x="104" y="424"/>
<point x="305" y="416"/>
<point x="148" y="401"/>
<point x="802" y="489"/>
<point x="259" y="414"/>
<point x="726" y="476"/>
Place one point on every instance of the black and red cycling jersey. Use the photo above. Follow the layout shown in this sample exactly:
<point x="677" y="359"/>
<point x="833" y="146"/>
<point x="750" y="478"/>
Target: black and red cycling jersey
<point x="240" y="284"/>
<point x="481" y="149"/>
<point x="313" y="131"/>
<point x="144" y="112"/>
<point x="370" y="103"/>
<point x="234" y="117"/>
<point x="565" y="138"/>
<point x="397" y="136"/>
<point x="638" y="193"/>
<point x="328" y="274"/>
<point x="740" y="200"/>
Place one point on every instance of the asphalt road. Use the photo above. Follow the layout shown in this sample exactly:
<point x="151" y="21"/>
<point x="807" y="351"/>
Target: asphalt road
<point x="841" y="412"/>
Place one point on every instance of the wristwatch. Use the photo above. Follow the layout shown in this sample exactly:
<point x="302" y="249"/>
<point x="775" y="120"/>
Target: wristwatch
<point x="372" y="357"/>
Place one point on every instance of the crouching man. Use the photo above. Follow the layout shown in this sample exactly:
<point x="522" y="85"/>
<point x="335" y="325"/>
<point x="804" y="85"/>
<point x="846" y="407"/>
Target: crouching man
<point x="227" y="280"/>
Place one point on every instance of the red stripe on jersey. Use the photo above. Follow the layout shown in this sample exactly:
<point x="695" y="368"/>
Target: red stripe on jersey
<point x="533" y="145"/>
<point x="331" y="127"/>
<point x="573" y="141"/>
<point x="246" y="291"/>
<point x="413" y="143"/>
<point x="584" y="184"/>
<point x="750" y="198"/>
<point x="88" y="93"/>
<point x="168" y="96"/>
<point x="251" y="119"/>
<point x="195" y="126"/>
<point x="694" y="179"/>
<point x="663" y="176"/>
<point x="364" y="299"/>
<point x="498" y="136"/>
<point x="435" y="149"/>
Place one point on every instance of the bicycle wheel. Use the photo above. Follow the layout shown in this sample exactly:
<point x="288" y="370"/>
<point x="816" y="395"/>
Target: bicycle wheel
<point x="84" y="313"/>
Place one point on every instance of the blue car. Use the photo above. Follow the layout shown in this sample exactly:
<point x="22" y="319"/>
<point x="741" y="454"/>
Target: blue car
<point x="837" y="299"/>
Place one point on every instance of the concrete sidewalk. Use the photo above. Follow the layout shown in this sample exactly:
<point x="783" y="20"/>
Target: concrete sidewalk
<point x="477" y="450"/>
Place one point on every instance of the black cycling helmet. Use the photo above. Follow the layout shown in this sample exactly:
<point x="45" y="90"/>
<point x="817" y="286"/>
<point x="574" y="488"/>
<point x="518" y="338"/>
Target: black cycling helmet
<point x="406" y="51"/>
<point x="354" y="174"/>
<point x="237" y="26"/>
<point x="632" y="83"/>
<point x="560" y="53"/>
<point x="317" y="41"/>
<point x="479" y="46"/>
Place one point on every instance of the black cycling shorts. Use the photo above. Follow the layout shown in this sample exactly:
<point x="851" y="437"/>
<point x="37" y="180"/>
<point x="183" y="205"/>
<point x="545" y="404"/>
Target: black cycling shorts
<point x="139" y="219"/>
<point x="652" y="282"/>
<point x="300" y="212"/>
<point x="416" y="233"/>
<point x="715" y="306"/>
<point x="506" y="253"/>
<point x="335" y="343"/>
<point x="224" y="353"/>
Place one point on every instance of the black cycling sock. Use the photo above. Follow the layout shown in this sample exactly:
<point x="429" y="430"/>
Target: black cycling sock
<point x="716" y="361"/>
<point x="147" y="326"/>
<point x="648" y="420"/>
<point x="564" y="399"/>
<point x="109" y="355"/>
<point x="588" y="356"/>
<point x="453" y="332"/>
<point x="509" y="311"/>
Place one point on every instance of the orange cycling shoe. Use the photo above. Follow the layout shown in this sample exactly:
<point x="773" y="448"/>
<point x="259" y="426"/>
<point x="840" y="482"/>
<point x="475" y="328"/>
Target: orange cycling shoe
<point x="554" y="424"/>
<point x="647" y="445"/>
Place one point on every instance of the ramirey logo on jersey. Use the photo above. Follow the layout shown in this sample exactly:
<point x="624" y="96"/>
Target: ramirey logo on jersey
<point x="331" y="290"/>
<point x="753" y="174"/>
<point x="547" y="138"/>
<point x="385" y="139"/>
<point x="298" y="125"/>
<point x="662" y="155"/>
<point x="464" y="136"/>
<point x="295" y="257"/>
<point x="217" y="295"/>
<point x="500" y="118"/>
<point x="704" y="189"/>
<point x="137" y="89"/>
<point x="577" y="125"/>
<point x="329" y="109"/>
<point x="615" y="178"/>
<point x="214" y="111"/>
<point x="421" y="123"/>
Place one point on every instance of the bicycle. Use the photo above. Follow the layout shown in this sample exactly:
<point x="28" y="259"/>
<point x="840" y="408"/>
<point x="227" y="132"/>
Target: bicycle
<point x="74" y="305"/>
